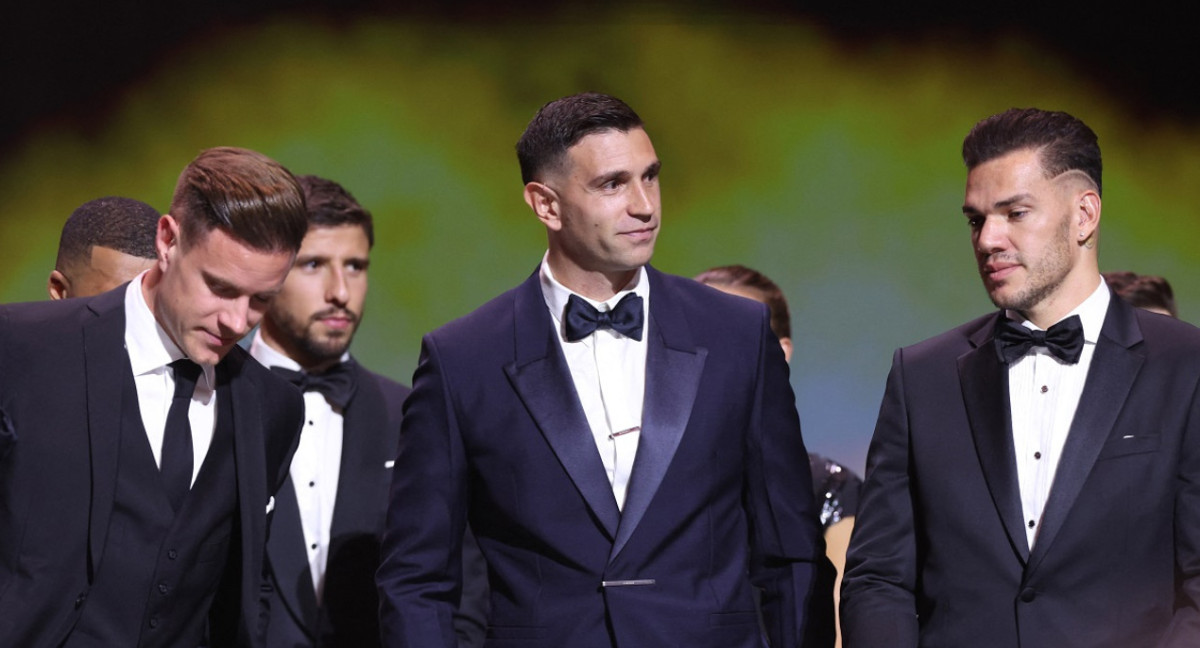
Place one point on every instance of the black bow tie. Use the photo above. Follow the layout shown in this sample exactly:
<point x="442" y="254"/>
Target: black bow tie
<point x="336" y="384"/>
<point x="582" y="319"/>
<point x="1064" y="340"/>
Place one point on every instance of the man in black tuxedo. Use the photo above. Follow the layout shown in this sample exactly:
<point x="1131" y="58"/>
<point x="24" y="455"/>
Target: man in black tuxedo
<point x="139" y="446"/>
<point x="324" y="544"/>
<point x="623" y="442"/>
<point x="104" y="243"/>
<point x="1034" y="479"/>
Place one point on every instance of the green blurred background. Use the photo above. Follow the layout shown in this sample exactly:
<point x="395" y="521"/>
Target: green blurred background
<point x="826" y="157"/>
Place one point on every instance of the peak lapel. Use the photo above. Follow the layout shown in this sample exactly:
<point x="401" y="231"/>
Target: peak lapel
<point x="984" y="381"/>
<point x="1115" y="365"/>
<point x="541" y="378"/>
<point x="104" y="359"/>
<point x="674" y="366"/>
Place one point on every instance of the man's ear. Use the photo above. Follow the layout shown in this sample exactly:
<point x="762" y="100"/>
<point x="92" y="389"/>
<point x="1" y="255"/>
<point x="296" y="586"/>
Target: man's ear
<point x="1087" y="214"/>
<point x="166" y="239"/>
<point x="544" y="202"/>
<point x="786" y="343"/>
<point x="58" y="285"/>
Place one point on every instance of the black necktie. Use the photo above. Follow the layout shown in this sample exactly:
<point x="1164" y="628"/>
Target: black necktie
<point x="582" y="319"/>
<point x="1064" y="340"/>
<point x="177" y="461"/>
<point x="336" y="384"/>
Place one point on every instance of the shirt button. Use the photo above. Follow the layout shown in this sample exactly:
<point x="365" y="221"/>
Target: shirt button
<point x="310" y="422"/>
<point x="1045" y="389"/>
<point x="1037" y="455"/>
<point x="1032" y="524"/>
<point x="312" y="483"/>
<point x="314" y="545"/>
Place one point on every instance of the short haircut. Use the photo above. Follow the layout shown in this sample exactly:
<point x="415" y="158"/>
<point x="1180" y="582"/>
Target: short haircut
<point x="1143" y="291"/>
<point x="1064" y="142"/>
<point x="251" y="197"/>
<point x="123" y="224"/>
<point x="560" y="124"/>
<point x="739" y="276"/>
<point x="330" y="205"/>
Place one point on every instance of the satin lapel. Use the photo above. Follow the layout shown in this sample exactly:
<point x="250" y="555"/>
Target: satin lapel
<point x="673" y="370"/>
<point x="104" y="359"/>
<point x="1115" y="365"/>
<point x="984" y="381"/>
<point x="289" y="560"/>
<point x="542" y="380"/>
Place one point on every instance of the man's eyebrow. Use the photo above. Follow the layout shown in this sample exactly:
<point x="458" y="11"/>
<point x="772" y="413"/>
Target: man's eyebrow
<point x="653" y="169"/>
<point x="605" y="178"/>
<point x="1000" y="204"/>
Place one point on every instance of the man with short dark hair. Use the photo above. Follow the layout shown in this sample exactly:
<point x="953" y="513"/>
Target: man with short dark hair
<point x="104" y="243"/>
<point x="623" y="442"/>
<point x="139" y="448"/>
<point x="1034" y="479"/>
<point x="324" y="544"/>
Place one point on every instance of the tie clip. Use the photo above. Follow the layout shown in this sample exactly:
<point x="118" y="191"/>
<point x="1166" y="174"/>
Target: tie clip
<point x="636" y="428"/>
<point x="627" y="583"/>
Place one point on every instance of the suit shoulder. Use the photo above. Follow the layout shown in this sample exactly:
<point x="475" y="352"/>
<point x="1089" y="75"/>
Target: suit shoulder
<point x="481" y="326"/>
<point x="950" y="344"/>
<point x="693" y="296"/>
<point x="1167" y="335"/>
<point x="390" y="388"/>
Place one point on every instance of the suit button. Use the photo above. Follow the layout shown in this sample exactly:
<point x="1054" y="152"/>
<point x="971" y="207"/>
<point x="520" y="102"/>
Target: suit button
<point x="1028" y="594"/>
<point x="162" y="588"/>
<point x="80" y="599"/>
<point x="172" y="554"/>
<point x="153" y="622"/>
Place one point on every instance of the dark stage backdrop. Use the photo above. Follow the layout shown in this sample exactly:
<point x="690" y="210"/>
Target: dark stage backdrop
<point x="830" y="164"/>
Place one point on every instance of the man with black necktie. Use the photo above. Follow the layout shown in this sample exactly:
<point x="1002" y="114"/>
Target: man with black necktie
<point x="624" y="443"/>
<point x="324" y="544"/>
<point x="139" y="446"/>
<point x="1034" y="479"/>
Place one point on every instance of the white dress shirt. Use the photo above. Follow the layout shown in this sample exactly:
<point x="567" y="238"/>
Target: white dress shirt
<point x="1043" y="395"/>
<point x="316" y="465"/>
<point x="150" y="351"/>
<point x="609" y="372"/>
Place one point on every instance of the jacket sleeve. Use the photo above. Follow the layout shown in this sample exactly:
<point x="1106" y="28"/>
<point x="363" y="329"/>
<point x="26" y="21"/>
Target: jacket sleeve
<point x="788" y="550"/>
<point x="1185" y="625"/>
<point x="420" y="576"/>
<point x="878" y="605"/>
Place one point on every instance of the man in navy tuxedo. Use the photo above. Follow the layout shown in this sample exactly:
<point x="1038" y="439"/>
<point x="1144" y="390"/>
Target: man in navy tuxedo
<point x="1034" y="479"/>
<point x="623" y="442"/>
<point x="139" y="446"/>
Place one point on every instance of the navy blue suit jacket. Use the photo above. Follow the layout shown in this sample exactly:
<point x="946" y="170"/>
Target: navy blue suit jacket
<point x="720" y="493"/>
<point x="60" y="393"/>
<point x="939" y="555"/>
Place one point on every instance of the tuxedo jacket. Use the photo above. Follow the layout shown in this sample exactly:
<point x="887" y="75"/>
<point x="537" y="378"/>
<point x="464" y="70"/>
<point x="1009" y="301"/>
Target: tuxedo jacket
<point x="60" y="410"/>
<point x="349" y="616"/>
<point x="719" y="494"/>
<point x="939" y="555"/>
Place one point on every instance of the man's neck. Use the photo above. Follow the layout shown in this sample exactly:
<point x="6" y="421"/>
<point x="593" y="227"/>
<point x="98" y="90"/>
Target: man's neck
<point x="595" y="285"/>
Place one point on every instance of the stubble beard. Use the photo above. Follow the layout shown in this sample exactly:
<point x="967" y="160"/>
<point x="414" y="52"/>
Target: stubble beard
<point x="304" y="339"/>
<point x="1045" y="275"/>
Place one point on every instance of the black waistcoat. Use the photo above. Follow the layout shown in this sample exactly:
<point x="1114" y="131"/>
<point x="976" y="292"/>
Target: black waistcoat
<point x="160" y="570"/>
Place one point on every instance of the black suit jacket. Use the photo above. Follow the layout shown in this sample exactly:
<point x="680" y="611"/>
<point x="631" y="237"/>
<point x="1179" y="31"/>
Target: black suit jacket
<point x="349" y="617"/>
<point x="939" y="555"/>
<point x="60" y="391"/>
<point x="720" y="492"/>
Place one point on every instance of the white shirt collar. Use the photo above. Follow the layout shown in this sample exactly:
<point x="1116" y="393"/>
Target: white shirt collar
<point x="147" y="343"/>
<point x="556" y="295"/>
<point x="1091" y="313"/>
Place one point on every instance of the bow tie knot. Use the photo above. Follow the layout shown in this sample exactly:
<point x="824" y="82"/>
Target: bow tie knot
<point x="1064" y="340"/>
<point x="582" y="319"/>
<point x="336" y="384"/>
